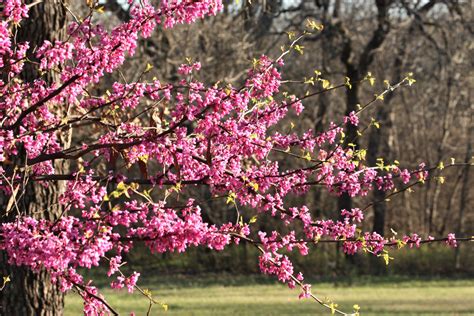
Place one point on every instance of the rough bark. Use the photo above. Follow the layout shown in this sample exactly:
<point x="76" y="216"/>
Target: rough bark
<point x="355" y="71"/>
<point x="379" y="142"/>
<point x="31" y="293"/>
<point x="465" y="190"/>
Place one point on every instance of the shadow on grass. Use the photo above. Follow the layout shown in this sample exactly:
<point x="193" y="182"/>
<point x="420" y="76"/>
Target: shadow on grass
<point x="202" y="280"/>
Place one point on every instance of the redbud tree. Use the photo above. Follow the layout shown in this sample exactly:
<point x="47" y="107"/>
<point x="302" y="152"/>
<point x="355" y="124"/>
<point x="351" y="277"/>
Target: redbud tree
<point x="228" y="139"/>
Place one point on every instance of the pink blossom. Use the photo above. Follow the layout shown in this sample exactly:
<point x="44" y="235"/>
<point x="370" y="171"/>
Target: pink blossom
<point x="305" y="291"/>
<point x="405" y="175"/>
<point x="352" y="118"/>
<point x="451" y="241"/>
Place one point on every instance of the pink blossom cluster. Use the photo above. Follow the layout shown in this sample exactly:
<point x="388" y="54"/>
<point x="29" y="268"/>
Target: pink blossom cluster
<point x="352" y="118"/>
<point x="52" y="55"/>
<point x="56" y="246"/>
<point x="14" y="10"/>
<point x="167" y="230"/>
<point x="188" y="11"/>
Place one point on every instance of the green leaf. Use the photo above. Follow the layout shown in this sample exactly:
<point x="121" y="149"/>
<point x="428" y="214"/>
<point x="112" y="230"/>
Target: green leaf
<point x="121" y="186"/>
<point x="361" y="154"/>
<point x="325" y="83"/>
<point x="410" y="78"/>
<point x="99" y="9"/>
<point x="148" y="67"/>
<point x="121" y="189"/>
<point x="177" y="187"/>
<point x="386" y="257"/>
<point x="254" y="186"/>
<point x="231" y="197"/>
<point x="375" y="123"/>
<point x="291" y="35"/>
<point x="370" y="78"/>
<point x="313" y="25"/>
<point x="309" y="81"/>
<point x="299" y="49"/>
<point x="348" y="83"/>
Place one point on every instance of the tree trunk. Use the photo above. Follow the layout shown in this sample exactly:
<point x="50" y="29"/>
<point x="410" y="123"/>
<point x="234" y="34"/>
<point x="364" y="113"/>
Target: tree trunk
<point x="31" y="293"/>
<point x="464" y="190"/>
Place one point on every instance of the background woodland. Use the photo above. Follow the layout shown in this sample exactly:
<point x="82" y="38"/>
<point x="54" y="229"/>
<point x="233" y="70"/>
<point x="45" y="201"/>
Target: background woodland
<point x="431" y="122"/>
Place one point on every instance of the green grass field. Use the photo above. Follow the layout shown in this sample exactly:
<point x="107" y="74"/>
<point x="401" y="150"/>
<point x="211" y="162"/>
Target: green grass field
<point x="208" y="297"/>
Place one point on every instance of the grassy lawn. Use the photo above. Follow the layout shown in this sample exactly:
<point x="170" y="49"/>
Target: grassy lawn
<point x="208" y="297"/>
